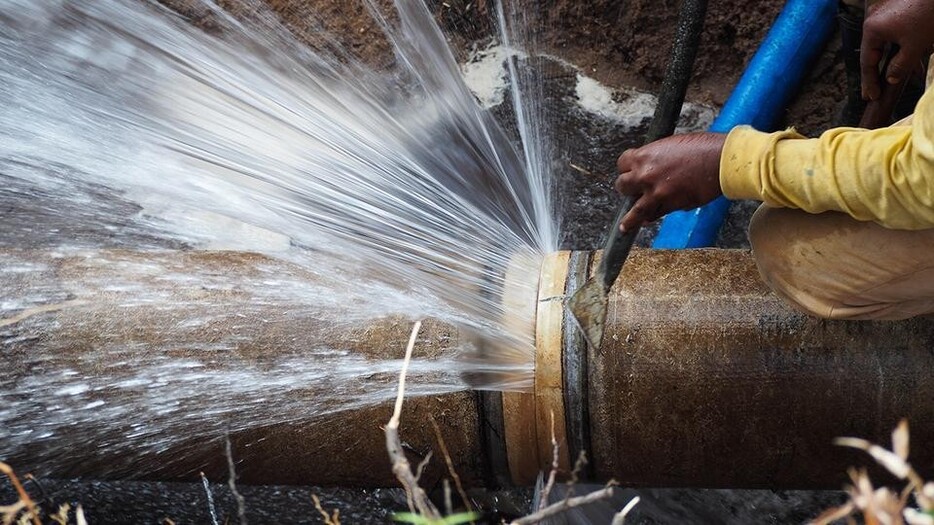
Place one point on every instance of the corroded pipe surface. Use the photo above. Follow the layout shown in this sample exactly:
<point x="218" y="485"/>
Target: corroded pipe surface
<point x="705" y="378"/>
<point x="121" y="323"/>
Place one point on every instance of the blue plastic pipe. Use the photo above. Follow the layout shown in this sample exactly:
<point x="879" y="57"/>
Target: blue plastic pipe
<point x="770" y="80"/>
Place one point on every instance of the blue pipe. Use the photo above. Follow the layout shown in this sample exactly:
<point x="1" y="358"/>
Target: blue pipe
<point x="770" y="80"/>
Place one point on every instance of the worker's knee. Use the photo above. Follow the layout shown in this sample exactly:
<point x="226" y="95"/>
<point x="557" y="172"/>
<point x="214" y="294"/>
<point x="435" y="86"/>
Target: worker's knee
<point x="759" y="237"/>
<point x="769" y="232"/>
<point x="824" y="265"/>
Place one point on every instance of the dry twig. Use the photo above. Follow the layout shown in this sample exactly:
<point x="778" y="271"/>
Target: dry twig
<point x="24" y="498"/>
<point x="544" y="510"/>
<point x="8" y="513"/>
<point x="883" y="505"/>
<point x="579" y="465"/>
<point x="61" y="517"/>
<point x="210" y="496"/>
<point x="417" y="498"/>
<point x="566" y="504"/>
<point x="421" y="466"/>
<point x="448" y="502"/>
<point x="450" y="464"/>
<point x="555" y="454"/>
<point x="232" y="481"/>
<point x="329" y="519"/>
<point x="620" y="517"/>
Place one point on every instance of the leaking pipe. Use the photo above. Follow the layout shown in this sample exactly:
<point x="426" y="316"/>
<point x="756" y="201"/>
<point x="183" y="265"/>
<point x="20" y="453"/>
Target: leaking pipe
<point x="705" y="378"/>
<point x="770" y="80"/>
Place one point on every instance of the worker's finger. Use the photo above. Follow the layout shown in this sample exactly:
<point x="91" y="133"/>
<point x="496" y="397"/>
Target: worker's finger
<point x="626" y="161"/>
<point x="627" y="184"/>
<point x="639" y="214"/>
<point x="901" y="66"/>
<point x="870" y="55"/>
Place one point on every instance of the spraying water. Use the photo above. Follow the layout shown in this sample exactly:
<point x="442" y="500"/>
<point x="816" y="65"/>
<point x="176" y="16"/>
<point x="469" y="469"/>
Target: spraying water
<point x="127" y="131"/>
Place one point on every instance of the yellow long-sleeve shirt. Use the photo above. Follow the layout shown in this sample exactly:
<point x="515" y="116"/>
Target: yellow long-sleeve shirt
<point x="884" y="175"/>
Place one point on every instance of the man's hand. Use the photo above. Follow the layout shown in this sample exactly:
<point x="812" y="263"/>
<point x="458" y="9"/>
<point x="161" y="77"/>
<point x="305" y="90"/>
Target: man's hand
<point x="908" y="23"/>
<point x="675" y="173"/>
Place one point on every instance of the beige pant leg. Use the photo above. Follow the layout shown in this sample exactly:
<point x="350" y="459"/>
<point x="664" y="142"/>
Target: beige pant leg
<point x="833" y="266"/>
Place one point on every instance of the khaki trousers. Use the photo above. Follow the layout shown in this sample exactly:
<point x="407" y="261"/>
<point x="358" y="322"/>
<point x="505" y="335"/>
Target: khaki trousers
<point x="833" y="266"/>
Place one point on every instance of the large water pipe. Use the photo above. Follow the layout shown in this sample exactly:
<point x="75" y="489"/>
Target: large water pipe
<point x="705" y="378"/>
<point x="768" y="83"/>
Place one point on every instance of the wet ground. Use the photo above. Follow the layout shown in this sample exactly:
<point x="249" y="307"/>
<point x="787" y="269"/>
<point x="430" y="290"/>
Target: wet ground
<point x="119" y="503"/>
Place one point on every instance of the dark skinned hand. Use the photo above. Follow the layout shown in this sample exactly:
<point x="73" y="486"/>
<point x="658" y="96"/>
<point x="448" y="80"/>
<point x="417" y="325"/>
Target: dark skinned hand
<point x="674" y="173"/>
<point x="908" y="23"/>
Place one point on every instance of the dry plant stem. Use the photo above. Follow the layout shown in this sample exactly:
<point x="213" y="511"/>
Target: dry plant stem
<point x="61" y="517"/>
<point x="417" y="497"/>
<point x="578" y="467"/>
<point x="543" y="502"/>
<point x="207" y="491"/>
<point x="21" y="492"/>
<point x="882" y="505"/>
<point x="329" y="519"/>
<point x="448" y="502"/>
<point x="8" y="513"/>
<point x="450" y="464"/>
<point x="566" y="504"/>
<point x="232" y="481"/>
<point x="834" y="514"/>
<point x="620" y="516"/>
<point x="421" y="466"/>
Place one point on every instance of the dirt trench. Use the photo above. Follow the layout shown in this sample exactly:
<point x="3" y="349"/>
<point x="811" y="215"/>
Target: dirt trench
<point x="618" y="42"/>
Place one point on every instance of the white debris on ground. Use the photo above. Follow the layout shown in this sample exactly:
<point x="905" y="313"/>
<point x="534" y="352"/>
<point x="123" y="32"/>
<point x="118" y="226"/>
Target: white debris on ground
<point x="485" y="74"/>
<point x="629" y="106"/>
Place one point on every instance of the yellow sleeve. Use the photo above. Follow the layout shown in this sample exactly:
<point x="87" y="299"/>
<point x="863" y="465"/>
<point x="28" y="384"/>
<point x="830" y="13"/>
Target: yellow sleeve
<point x="884" y="175"/>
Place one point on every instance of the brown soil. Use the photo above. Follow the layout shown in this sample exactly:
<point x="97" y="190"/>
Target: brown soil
<point x="626" y="43"/>
<point x="622" y="42"/>
<point x="619" y="42"/>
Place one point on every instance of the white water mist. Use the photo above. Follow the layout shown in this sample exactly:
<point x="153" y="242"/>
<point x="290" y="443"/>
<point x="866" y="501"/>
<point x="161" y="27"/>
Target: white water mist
<point x="123" y="126"/>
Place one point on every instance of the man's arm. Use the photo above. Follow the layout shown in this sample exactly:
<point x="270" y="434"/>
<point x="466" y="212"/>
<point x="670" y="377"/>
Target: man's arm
<point x="884" y="175"/>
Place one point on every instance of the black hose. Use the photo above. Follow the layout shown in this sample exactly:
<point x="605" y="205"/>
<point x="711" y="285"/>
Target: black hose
<point x="680" y="68"/>
<point x="674" y="88"/>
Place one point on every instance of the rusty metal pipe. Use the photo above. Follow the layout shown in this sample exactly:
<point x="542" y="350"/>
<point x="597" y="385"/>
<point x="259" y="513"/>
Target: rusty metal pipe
<point x="228" y="311"/>
<point x="705" y="378"/>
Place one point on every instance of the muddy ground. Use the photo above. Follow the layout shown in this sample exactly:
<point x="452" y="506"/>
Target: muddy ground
<point x="618" y="42"/>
